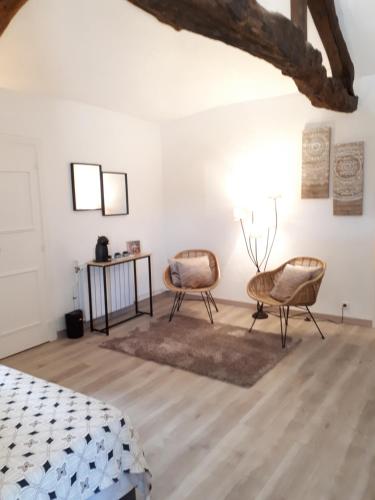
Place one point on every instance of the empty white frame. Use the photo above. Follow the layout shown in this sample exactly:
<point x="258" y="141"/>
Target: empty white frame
<point x="114" y="193"/>
<point x="86" y="186"/>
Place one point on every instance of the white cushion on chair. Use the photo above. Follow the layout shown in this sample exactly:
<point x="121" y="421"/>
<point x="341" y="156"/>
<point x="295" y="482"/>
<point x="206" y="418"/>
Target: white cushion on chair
<point x="175" y="277"/>
<point x="291" y="278"/>
<point x="194" y="272"/>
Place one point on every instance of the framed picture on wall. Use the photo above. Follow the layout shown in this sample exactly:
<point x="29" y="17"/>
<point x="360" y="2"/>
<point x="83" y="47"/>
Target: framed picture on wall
<point x="114" y="193"/>
<point x="86" y="186"/>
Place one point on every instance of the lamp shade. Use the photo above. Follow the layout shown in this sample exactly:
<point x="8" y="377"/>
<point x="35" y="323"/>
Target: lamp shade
<point x="274" y="195"/>
<point x="241" y="213"/>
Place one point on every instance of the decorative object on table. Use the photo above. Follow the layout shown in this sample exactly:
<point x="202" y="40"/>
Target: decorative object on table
<point x="114" y="193"/>
<point x="348" y="179"/>
<point x="109" y="305"/>
<point x="316" y="150"/>
<point x="223" y="352"/>
<point x="294" y="283"/>
<point x="134" y="247"/>
<point x="101" y="249"/>
<point x="117" y="255"/>
<point x="86" y="186"/>
<point x="181" y="278"/>
<point x="259" y="256"/>
<point x="125" y="253"/>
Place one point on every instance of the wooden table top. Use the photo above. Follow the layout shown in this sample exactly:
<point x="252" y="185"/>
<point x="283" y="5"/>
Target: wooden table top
<point x="120" y="260"/>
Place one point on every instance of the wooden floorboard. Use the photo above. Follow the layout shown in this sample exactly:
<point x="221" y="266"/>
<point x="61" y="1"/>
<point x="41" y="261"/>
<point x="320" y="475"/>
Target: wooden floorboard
<point x="305" y="431"/>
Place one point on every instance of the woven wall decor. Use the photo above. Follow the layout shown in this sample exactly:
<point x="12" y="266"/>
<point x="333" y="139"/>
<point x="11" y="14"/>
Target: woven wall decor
<point x="316" y="148"/>
<point x="348" y="179"/>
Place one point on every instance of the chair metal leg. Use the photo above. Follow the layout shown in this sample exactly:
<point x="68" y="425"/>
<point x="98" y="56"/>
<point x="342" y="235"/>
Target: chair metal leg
<point x="252" y="324"/>
<point x="207" y="303"/>
<point x="316" y="324"/>
<point x="286" y="315"/>
<point x="284" y="319"/>
<point x="212" y="301"/>
<point x="182" y="296"/>
<point x="209" y="308"/>
<point x="174" y="305"/>
<point x="281" y="326"/>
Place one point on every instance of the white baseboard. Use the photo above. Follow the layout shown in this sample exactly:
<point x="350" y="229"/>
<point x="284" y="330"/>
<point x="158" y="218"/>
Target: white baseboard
<point x="322" y="316"/>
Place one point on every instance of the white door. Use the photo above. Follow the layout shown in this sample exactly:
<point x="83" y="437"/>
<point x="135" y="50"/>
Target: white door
<point x="22" y="323"/>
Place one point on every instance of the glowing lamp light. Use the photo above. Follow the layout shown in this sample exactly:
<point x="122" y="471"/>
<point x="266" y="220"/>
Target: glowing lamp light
<point x="240" y="213"/>
<point x="257" y="231"/>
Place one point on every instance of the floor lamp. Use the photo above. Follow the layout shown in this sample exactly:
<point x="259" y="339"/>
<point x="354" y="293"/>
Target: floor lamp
<point x="259" y="255"/>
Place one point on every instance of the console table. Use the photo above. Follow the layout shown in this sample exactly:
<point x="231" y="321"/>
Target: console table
<point x="102" y="309"/>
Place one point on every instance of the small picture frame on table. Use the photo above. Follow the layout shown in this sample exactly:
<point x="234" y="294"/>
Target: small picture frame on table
<point x="134" y="247"/>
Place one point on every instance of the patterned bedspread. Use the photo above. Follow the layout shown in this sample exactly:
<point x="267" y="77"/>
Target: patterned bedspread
<point x="58" y="444"/>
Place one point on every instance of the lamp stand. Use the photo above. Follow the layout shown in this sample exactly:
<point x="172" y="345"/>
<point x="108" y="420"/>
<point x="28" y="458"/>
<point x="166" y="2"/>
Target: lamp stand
<point x="260" y="313"/>
<point x="258" y="261"/>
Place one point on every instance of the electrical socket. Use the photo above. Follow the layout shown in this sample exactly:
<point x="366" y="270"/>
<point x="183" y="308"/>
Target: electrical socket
<point x="344" y="304"/>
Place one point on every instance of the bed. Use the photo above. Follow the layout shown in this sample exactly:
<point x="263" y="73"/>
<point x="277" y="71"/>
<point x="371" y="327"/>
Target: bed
<point x="58" y="444"/>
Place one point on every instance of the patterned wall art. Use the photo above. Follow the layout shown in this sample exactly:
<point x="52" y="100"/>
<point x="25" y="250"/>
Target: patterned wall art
<point x="316" y="148"/>
<point x="348" y="179"/>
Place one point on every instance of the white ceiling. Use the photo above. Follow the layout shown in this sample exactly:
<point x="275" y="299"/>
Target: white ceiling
<point x="111" y="54"/>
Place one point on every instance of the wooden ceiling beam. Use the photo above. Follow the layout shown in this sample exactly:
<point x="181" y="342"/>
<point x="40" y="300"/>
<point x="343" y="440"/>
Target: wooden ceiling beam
<point x="325" y="19"/>
<point x="298" y="11"/>
<point x="248" y="26"/>
<point x="8" y="9"/>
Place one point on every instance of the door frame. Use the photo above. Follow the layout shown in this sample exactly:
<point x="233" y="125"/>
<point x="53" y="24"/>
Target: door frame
<point x="44" y="302"/>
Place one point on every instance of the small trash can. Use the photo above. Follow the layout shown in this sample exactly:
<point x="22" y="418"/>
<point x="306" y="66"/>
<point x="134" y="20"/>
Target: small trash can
<point x="74" y="324"/>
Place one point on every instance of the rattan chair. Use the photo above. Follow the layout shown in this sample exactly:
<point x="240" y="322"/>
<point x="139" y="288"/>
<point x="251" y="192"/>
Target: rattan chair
<point x="205" y="293"/>
<point x="260" y="286"/>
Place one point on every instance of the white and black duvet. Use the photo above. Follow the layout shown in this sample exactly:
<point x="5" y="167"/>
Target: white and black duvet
<point x="59" y="444"/>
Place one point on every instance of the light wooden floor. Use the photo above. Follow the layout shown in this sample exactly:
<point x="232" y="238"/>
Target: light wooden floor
<point x="305" y="431"/>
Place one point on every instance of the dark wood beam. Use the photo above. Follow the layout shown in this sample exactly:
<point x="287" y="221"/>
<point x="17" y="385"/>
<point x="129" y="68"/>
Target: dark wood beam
<point x="325" y="18"/>
<point x="248" y="26"/>
<point x="8" y="9"/>
<point x="298" y="11"/>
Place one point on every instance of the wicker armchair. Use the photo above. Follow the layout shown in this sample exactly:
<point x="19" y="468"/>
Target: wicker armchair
<point x="205" y="293"/>
<point x="260" y="286"/>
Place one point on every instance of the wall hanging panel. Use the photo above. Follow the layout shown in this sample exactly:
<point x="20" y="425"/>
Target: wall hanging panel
<point x="348" y="179"/>
<point x="316" y="146"/>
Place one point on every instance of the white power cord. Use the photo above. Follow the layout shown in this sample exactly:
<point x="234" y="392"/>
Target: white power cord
<point x="76" y="286"/>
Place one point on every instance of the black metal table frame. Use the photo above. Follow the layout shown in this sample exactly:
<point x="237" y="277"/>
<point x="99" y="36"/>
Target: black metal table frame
<point x="137" y="310"/>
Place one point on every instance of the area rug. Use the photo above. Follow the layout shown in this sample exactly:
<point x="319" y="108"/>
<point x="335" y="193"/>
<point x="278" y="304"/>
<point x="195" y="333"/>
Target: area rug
<point x="224" y="352"/>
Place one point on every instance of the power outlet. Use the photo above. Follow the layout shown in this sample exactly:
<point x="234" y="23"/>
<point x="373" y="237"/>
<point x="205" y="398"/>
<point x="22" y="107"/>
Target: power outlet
<point x="344" y="308"/>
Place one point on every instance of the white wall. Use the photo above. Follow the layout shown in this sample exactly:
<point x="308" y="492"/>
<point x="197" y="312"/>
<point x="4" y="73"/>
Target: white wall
<point x="185" y="198"/>
<point x="71" y="132"/>
<point x="203" y="153"/>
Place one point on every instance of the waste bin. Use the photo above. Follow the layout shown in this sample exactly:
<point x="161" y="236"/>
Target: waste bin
<point x="74" y="324"/>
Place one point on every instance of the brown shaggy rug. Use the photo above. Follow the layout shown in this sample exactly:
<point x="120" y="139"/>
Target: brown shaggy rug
<point x="225" y="352"/>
